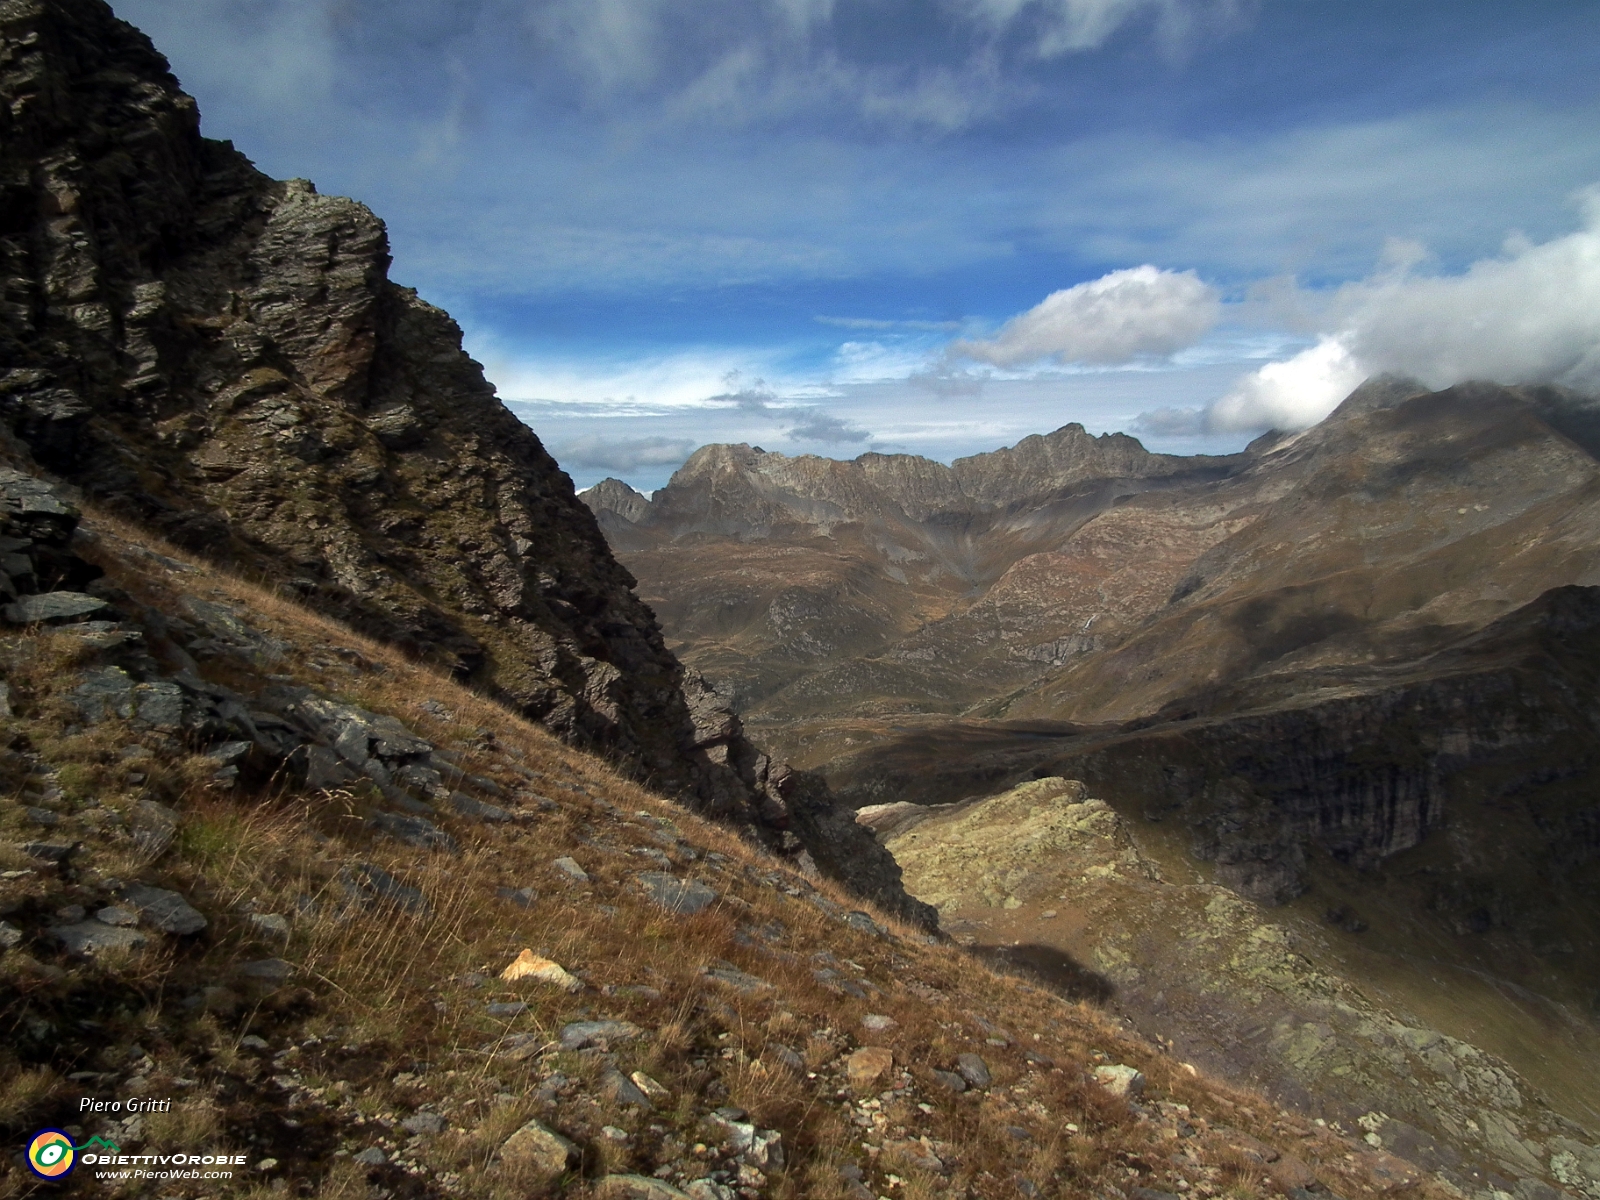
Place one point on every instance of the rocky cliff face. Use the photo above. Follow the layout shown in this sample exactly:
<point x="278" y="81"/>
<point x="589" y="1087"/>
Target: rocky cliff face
<point x="617" y="498"/>
<point x="223" y="356"/>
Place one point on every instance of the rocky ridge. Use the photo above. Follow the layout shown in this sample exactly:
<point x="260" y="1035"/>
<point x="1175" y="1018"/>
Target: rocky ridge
<point x="223" y="357"/>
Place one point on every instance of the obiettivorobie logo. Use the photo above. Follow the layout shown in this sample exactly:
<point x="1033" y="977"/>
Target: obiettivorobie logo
<point x="51" y="1154"/>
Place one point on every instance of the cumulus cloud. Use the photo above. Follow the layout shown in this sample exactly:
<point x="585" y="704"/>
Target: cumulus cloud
<point x="1531" y="315"/>
<point x="1128" y="314"/>
<point x="599" y="452"/>
<point x="1292" y="394"/>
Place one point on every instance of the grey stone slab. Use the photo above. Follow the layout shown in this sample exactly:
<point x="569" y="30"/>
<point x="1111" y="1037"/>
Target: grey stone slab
<point x="415" y="831"/>
<point x="91" y="937"/>
<point x="424" y="1123"/>
<point x="682" y="896"/>
<point x="581" y="1034"/>
<point x="973" y="1069"/>
<point x="52" y="608"/>
<point x="372" y="885"/>
<point x="164" y="910"/>
<point x="477" y="809"/>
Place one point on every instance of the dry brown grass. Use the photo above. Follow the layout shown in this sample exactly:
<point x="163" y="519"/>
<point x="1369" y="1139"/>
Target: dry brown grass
<point x="25" y="1091"/>
<point x="396" y="985"/>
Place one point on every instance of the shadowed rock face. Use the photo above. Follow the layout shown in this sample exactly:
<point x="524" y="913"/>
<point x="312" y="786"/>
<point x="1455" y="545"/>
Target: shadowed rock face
<point x="223" y="356"/>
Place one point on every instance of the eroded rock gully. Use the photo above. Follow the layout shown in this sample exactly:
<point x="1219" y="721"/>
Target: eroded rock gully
<point x="223" y="357"/>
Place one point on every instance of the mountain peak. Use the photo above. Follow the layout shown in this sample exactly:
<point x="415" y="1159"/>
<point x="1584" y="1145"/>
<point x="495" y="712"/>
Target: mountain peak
<point x="611" y="495"/>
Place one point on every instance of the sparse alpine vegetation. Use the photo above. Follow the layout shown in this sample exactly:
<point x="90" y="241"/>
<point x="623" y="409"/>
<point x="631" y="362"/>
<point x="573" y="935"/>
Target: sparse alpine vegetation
<point x="286" y="884"/>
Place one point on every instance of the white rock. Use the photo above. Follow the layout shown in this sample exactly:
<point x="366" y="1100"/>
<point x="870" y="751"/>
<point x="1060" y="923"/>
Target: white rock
<point x="1120" y="1080"/>
<point x="529" y="965"/>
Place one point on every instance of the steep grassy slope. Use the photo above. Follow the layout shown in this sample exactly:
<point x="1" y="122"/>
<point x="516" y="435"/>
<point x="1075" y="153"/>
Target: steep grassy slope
<point x="349" y="849"/>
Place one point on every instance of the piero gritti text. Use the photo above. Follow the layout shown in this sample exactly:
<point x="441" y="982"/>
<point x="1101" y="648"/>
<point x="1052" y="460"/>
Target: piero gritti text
<point x="133" y="1104"/>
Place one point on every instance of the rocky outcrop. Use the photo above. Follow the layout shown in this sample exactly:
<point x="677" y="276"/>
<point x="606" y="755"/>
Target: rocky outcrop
<point x="617" y="498"/>
<point x="1495" y="739"/>
<point x="223" y="357"/>
<point x="1046" y="878"/>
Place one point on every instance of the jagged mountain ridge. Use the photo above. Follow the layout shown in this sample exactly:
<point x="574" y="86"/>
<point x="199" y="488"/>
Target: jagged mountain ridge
<point x="1357" y="668"/>
<point x="223" y="357"/>
<point x="866" y="554"/>
<point x="1111" y="585"/>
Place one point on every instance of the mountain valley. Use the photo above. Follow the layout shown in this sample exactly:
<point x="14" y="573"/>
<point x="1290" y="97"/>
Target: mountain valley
<point x="1067" y="821"/>
<point x="1351" y="672"/>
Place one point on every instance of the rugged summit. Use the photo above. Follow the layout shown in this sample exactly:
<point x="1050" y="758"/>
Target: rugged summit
<point x="223" y="357"/>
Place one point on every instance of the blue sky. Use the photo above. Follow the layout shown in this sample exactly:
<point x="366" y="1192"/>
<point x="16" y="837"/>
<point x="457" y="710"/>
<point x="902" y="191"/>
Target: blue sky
<point x="827" y="226"/>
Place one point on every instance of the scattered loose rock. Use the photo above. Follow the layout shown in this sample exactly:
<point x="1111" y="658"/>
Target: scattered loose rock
<point x="166" y="911"/>
<point x="569" y="867"/>
<point x="741" y="981"/>
<point x="619" y="1087"/>
<point x="529" y="965"/>
<point x="649" y="1086"/>
<point x="682" y="896"/>
<point x="973" y="1069"/>
<point x="424" y="1123"/>
<point x="1120" y="1080"/>
<point x="581" y="1034"/>
<point x="52" y="608"/>
<point x="273" y="925"/>
<point x="865" y="1066"/>
<point x="638" y="1187"/>
<point x="540" y="1153"/>
<point x="91" y="937"/>
<point x="154" y="827"/>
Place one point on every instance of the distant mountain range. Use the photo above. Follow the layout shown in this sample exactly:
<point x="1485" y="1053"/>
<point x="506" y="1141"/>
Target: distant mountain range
<point x="1361" y="659"/>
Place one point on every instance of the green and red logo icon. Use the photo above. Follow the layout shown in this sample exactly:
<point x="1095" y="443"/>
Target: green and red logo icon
<point x="51" y="1154"/>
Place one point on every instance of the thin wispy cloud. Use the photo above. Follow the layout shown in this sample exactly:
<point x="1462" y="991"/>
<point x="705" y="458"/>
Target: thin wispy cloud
<point x="887" y="326"/>
<point x="825" y="427"/>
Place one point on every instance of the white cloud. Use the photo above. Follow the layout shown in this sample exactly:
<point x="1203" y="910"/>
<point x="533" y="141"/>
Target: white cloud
<point x="1292" y="394"/>
<point x="1529" y="316"/>
<point x="1128" y="314"/>
<point x="599" y="452"/>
